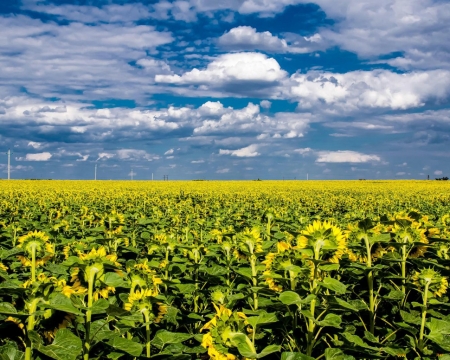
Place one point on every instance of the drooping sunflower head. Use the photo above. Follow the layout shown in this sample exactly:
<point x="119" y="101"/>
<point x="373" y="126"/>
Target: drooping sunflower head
<point x="432" y="280"/>
<point x="323" y="240"/>
<point x="250" y="240"/>
<point x="36" y="240"/>
<point x="113" y="222"/>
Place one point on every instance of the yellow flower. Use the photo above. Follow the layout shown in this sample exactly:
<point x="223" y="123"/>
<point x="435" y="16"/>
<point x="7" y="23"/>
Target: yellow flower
<point x="323" y="238"/>
<point x="35" y="241"/>
<point x="3" y="267"/>
<point x="162" y="310"/>
<point x="431" y="279"/>
<point x="283" y="246"/>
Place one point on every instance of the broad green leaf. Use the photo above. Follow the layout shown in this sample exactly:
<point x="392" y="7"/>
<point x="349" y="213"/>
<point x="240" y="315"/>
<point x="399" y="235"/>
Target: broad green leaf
<point x="345" y="304"/>
<point x="269" y="350"/>
<point x="332" y="320"/>
<point x="100" y="306"/>
<point x="290" y="298"/>
<point x="115" y="280"/>
<point x="355" y="339"/>
<point x="10" y="351"/>
<point x="65" y="346"/>
<point x="125" y="345"/>
<point x="164" y="337"/>
<point x="336" y="354"/>
<point x="295" y="356"/>
<point x="244" y="345"/>
<point x="7" y="308"/>
<point x="410" y="318"/>
<point x="334" y="285"/>
<point x="262" y="319"/>
<point x="63" y="303"/>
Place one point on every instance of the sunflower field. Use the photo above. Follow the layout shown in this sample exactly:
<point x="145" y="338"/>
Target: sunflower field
<point x="291" y="270"/>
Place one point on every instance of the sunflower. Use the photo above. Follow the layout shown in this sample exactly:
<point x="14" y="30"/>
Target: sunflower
<point x="251" y="241"/>
<point x="432" y="280"/>
<point x="35" y="242"/>
<point x="323" y="239"/>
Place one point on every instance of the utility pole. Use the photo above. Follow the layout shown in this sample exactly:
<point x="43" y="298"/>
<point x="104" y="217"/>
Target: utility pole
<point x="9" y="164"/>
<point x="95" y="172"/>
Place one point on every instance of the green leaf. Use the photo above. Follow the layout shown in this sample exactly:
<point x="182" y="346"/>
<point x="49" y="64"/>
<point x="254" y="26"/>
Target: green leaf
<point x="295" y="356"/>
<point x="66" y="346"/>
<point x="329" y="267"/>
<point x="115" y="280"/>
<point x="355" y="339"/>
<point x="438" y="326"/>
<point x="268" y="350"/>
<point x="7" y="308"/>
<point x="262" y="319"/>
<point x="63" y="303"/>
<point x="334" y="285"/>
<point x="100" y="330"/>
<point x="336" y="354"/>
<point x="380" y="238"/>
<point x="10" y="351"/>
<point x="332" y="320"/>
<point x="395" y="295"/>
<point x="100" y="306"/>
<point x="346" y="305"/>
<point x="290" y="298"/>
<point x="164" y="337"/>
<point x="396" y="351"/>
<point x="410" y="318"/>
<point x="125" y="345"/>
<point x="244" y="345"/>
<point x="369" y="336"/>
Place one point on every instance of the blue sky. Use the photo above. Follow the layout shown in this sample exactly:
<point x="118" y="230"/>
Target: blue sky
<point x="238" y="89"/>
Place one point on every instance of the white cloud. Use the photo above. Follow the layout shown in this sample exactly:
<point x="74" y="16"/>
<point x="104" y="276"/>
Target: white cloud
<point x="197" y="161"/>
<point x="266" y="104"/>
<point x="44" y="156"/>
<point x="370" y="89"/>
<point x="105" y="156"/>
<point x="234" y="68"/>
<point x="134" y="154"/>
<point x="223" y="171"/>
<point x="247" y="38"/>
<point x="345" y="156"/>
<point x="400" y="173"/>
<point x="438" y="172"/>
<point x="169" y="152"/>
<point x="248" y="151"/>
<point x="303" y="151"/>
<point x="35" y="145"/>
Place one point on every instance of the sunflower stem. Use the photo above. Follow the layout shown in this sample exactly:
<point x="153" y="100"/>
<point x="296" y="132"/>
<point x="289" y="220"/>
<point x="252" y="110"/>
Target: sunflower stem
<point x="370" y="284"/>
<point x="87" y="344"/>
<point x="147" y="332"/>
<point x="33" y="262"/>
<point x="424" y="317"/>
<point x="30" y="327"/>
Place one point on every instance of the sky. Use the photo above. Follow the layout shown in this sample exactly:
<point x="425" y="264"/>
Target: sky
<point x="236" y="89"/>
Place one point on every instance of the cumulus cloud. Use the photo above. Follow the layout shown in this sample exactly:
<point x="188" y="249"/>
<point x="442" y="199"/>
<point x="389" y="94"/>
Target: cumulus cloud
<point x="248" y="38"/>
<point x="247" y="73"/>
<point x="223" y="171"/>
<point x="169" y="152"/>
<point x="345" y="156"/>
<point x="438" y="172"/>
<point x="370" y="89"/>
<point x="266" y="104"/>
<point x="44" y="156"/>
<point x="248" y="151"/>
<point x="135" y="154"/>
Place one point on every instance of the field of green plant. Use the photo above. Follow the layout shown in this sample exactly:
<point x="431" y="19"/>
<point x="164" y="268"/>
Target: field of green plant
<point x="290" y="270"/>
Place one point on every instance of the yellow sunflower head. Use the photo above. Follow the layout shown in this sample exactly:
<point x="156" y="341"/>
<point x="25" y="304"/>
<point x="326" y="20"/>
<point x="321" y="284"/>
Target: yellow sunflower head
<point x="251" y="241"/>
<point x="432" y="280"/>
<point x="323" y="240"/>
<point x="36" y="240"/>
